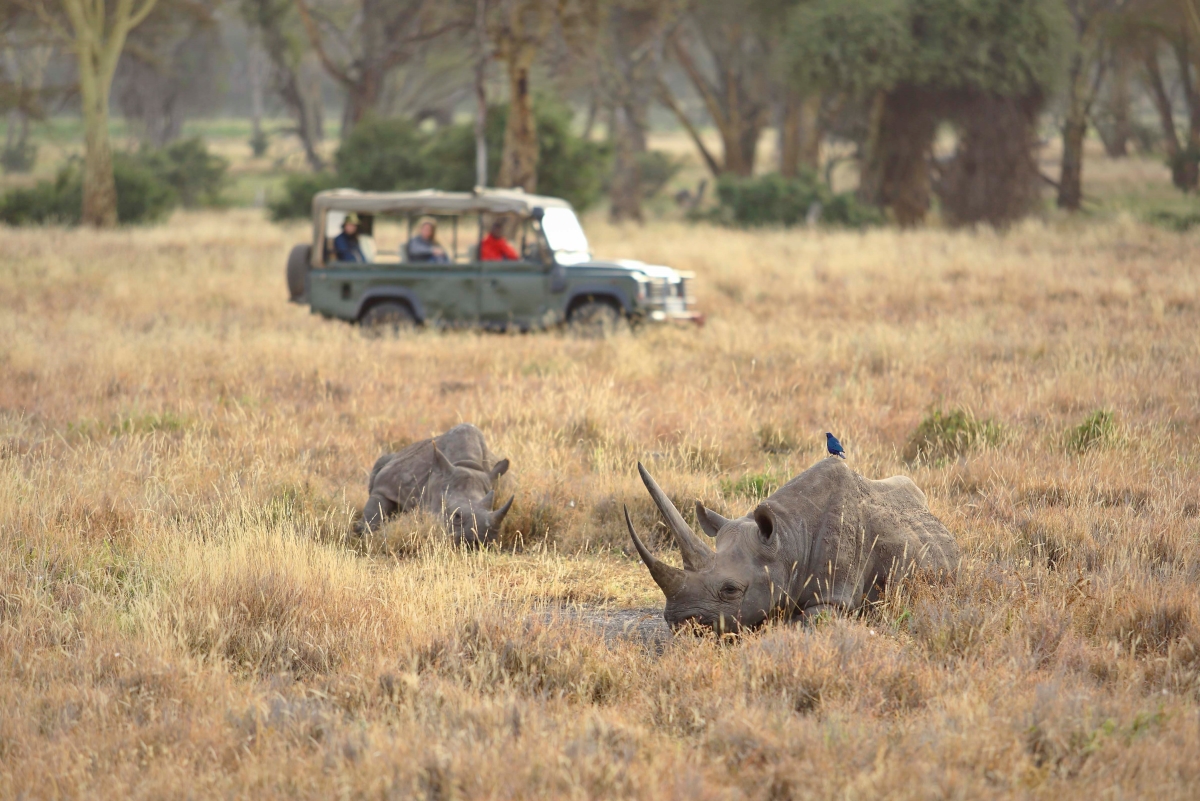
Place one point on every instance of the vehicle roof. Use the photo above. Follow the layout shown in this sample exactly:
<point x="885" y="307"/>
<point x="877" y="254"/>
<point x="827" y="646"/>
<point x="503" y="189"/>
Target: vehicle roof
<point x="432" y="201"/>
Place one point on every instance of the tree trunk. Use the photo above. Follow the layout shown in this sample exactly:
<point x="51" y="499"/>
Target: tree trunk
<point x="99" y="185"/>
<point x="481" y="59"/>
<point x="518" y="164"/>
<point x="896" y="176"/>
<point x="810" y="132"/>
<point x="789" y="135"/>
<point x="1070" y="180"/>
<point x="626" y="193"/>
<point x="1166" y="117"/>
<point x="256" y="68"/>
<point x="1118" y="146"/>
<point x="1190" y="157"/>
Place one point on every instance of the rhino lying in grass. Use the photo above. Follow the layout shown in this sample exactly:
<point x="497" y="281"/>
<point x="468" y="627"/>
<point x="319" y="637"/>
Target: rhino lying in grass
<point x="451" y="475"/>
<point x="829" y="539"/>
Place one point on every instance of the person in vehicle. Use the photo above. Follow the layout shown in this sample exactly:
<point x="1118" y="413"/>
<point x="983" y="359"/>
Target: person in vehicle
<point x="346" y="246"/>
<point x="424" y="245"/>
<point x="495" y="247"/>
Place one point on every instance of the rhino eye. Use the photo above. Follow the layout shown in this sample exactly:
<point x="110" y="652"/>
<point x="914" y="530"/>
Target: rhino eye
<point x="731" y="591"/>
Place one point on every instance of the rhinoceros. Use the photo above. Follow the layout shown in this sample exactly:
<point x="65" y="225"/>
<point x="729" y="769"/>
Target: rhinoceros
<point x="451" y="475"/>
<point x="827" y="540"/>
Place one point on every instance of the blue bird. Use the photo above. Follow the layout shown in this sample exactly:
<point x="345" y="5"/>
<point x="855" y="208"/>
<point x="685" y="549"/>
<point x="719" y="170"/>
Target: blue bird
<point x="835" y="447"/>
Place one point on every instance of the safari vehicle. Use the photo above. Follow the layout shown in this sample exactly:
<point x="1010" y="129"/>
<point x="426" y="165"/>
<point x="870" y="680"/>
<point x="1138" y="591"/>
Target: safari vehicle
<point x="553" y="281"/>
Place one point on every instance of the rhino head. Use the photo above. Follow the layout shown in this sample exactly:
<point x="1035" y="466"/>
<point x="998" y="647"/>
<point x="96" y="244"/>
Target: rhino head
<point x="467" y="498"/>
<point x="736" y="586"/>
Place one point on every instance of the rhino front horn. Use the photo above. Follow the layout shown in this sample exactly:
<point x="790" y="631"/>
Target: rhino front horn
<point x="498" y="515"/>
<point x="669" y="579"/>
<point x="696" y="554"/>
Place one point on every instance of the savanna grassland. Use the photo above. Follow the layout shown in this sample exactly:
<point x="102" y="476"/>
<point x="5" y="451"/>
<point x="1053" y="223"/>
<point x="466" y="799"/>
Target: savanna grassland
<point x="184" y="613"/>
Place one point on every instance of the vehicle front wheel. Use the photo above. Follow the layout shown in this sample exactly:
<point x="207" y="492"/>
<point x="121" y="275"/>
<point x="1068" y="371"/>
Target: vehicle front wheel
<point x="595" y="319"/>
<point x="387" y="319"/>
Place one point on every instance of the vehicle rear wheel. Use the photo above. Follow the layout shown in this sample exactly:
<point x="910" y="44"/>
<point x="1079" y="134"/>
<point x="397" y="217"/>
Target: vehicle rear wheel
<point x="389" y="318"/>
<point x="595" y="319"/>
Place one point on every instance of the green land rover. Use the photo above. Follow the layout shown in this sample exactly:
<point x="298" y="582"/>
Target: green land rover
<point x="552" y="280"/>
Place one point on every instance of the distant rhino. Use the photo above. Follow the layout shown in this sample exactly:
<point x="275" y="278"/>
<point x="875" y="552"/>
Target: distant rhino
<point x="829" y="539"/>
<point x="451" y="475"/>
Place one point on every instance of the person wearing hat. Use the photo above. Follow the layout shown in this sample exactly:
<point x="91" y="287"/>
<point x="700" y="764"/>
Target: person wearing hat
<point x="345" y="246"/>
<point x="424" y="245"/>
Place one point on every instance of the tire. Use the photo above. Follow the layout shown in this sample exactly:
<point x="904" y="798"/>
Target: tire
<point x="595" y="319"/>
<point x="297" y="272"/>
<point x="389" y="318"/>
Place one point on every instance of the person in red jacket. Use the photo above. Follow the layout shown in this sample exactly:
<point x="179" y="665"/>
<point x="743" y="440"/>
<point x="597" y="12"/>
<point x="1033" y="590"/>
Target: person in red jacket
<point x="495" y="247"/>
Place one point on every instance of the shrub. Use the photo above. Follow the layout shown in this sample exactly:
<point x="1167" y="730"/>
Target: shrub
<point x="259" y="142"/>
<point x="775" y="200"/>
<point x="1096" y="429"/>
<point x="946" y="435"/>
<point x="196" y="176"/>
<point x="142" y="196"/>
<point x="382" y="154"/>
<point x="1180" y="222"/>
<point x="20" y="157"/>
<point x="657" y="169"/>
<point x="393" y="154"/>
<point x="298" y="191"/>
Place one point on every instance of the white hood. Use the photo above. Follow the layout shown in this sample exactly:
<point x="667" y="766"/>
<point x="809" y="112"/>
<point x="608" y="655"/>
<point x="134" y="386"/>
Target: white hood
<point x="650" y="270"/>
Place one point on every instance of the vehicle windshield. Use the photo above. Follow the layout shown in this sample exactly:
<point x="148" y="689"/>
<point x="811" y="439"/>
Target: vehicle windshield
<point x="565" y="236"/>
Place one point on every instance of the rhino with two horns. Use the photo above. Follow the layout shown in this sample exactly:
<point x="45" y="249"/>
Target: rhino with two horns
<point x="452" y="475"/>
<point x="828" y="540"/>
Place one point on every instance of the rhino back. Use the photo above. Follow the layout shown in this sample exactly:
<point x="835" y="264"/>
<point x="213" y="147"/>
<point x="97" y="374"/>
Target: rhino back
<point x="850" y="532"/>
<point x="465" y="444"/>
<point x="411" y="476"/>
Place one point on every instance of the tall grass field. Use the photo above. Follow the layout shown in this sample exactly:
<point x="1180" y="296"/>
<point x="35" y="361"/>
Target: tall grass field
<point x="185" y="613"/>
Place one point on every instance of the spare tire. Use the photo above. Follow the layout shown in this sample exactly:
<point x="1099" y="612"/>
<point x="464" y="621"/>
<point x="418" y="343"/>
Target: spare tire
<point x="297" y="272"/>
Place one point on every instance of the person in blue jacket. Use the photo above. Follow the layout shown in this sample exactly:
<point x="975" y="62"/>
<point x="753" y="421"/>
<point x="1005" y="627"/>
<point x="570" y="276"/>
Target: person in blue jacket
<point x="345" y="246"/>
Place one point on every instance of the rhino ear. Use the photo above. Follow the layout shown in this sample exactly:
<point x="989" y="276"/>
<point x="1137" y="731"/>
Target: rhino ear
<point x="709" y="520"/>
<point x="442" y="461"/>
<point x="500" y="469"/>
<point x="764" y="516"/>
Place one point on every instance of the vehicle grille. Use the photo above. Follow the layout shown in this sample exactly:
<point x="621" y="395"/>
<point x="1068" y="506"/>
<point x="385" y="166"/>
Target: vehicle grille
<point x="656" y="292"/>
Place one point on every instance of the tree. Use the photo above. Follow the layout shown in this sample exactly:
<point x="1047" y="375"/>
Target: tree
<point x="1089" y="20"/>
<point x="361" y="43"/>
<point x="731" y="37"/>
<point x="97" y="31"/>
<point x="630" y="59"/>
<point x="168" y="70"/>
<point x="26" y="55"/>
<point x="518" y="29"/>
<point x="921" y="62"/>
<point x="278" y="29"/>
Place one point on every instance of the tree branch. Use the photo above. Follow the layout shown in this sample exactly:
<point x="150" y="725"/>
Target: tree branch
<point x="314" y="36"/>
<point x="706" y="91"/>
<point x="667" y="99"/>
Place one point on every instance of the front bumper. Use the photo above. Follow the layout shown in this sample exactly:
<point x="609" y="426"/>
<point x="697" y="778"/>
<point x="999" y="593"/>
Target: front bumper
<point x="680" y="316"/>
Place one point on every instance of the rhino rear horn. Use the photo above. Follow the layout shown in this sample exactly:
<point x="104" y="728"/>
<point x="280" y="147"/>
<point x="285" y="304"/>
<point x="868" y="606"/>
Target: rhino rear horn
<point x="498" y="515"/>
<point x="709" y="520"/>
<point x="498" y="470"/>
<point x="442" y="461"/>
<point x="669" y="579"/>
<point x="696" y="553"/>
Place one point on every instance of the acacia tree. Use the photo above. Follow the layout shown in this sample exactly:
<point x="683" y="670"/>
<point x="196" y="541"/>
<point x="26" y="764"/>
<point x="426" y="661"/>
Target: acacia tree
<point x="279" y="32"/>
<point x="97" y="31"/>
<point x="732" y="38"/>
<point x="360" y="44"/>
<point x="630" y="60"/>
<point x="27" y="53"/>
<point x="985" y="66"/>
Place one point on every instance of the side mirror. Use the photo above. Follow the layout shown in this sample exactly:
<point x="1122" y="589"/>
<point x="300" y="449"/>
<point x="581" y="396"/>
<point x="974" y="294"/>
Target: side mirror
<point x="537" y="213"/>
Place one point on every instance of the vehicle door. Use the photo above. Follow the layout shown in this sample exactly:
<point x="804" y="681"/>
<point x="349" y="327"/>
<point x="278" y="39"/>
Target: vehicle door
<point x="448" y="291"/>
<point x="516" y="292"/>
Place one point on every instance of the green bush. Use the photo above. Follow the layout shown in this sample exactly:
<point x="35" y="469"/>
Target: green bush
<point x="393" y="154"/>
<point x="657" y="169"/>
<point x="196" y="175"/>
<point x="1180" y="222"/>
<point x="142" y="196"/>
<point x="947" y="435"/>
<point x="775" y="200"/>
<point x="259" y="142"/>
<point x="382" y="154"/>
<point x="1097" y="428"/>
<point x="19" y="158"/>
<point x="150" y="184"/>
<point x="298" y="191"/>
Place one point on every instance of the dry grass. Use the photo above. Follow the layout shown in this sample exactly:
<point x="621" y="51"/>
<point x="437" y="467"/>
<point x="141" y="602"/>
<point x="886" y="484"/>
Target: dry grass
<point x="181" y="453"/>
